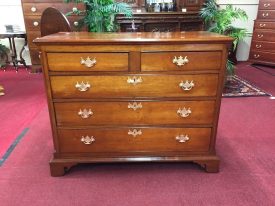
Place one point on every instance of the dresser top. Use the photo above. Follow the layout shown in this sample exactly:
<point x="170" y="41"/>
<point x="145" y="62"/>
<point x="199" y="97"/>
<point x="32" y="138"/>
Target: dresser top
<point x="133" y="37"/>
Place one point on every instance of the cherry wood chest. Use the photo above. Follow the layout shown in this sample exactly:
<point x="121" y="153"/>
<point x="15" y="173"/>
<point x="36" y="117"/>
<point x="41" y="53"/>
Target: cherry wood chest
<point x="262" y="50"/>
<point x="119" y="97"/>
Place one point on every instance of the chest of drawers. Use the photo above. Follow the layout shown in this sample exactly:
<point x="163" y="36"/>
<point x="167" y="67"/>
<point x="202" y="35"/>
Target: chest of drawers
<point x="262" y="49"/>
<point x="118" y="97"/>
<point x="32" y="10"/>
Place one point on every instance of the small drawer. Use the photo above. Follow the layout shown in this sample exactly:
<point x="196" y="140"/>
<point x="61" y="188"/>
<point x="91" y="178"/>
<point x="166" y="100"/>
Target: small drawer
<point x="35" y="56"/>
<point x="259" y="56"/>
<point x="264" y="25"/>
<point x="266" y="14"/>
<point x="134" y="112"/>
<point x="262" y="46"/>
<point x="134" y="140"/>
<point x="86" y="87"/>
<point x="266" y="4"/>
<point x="38" y="8"/>
<point x="180" y="61"/>
<point x="260" y="35"/>
<point x="32" y="23"/>
<point x="88" y="61"/>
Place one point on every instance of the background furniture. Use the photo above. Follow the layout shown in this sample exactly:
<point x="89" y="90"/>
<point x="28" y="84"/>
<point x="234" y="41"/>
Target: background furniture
<point x="14" y="58"/>
<point x="143" y="96"/>
<point x="262" y="50"/>
<point x="32" y="10"/>
<point x="53" y="21"/>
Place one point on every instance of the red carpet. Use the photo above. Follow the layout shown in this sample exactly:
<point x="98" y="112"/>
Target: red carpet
<point x="245" y="144"/>
<point x="28" y="89"/>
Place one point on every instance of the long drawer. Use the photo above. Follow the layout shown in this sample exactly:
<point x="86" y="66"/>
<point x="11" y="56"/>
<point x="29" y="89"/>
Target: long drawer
<point x="180" y="61"/>
<point x="267" y="4"/>
<point x="134" y="86"/>
<point x="104" y="61"/>
<point x="139" y="140"/>
<point x="264" y="35"/>
<point x="263" y="46"/>
<point x="264" y="25"/>
<point x="262" y="56"/>
<point x="266" y="14"/>
<point x="137" y="113"/>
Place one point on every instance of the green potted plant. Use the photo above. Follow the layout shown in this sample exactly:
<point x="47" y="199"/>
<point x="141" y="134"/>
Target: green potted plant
<point x="220" y="21"/>
<point x="3" y="55"/>
<point x="100" y="14"/>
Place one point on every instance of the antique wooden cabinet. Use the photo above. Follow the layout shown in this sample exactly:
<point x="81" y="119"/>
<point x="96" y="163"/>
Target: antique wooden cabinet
<point x="32" y="11"/>
<point x="262" y="50"/>
<point x="118" y="97"/>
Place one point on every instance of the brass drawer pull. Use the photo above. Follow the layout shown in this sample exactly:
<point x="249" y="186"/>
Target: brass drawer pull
<point x="35" y="23"/>
<point x="33" y="9"/>
<point x="258" y="46"/>
<point x="135" y="106"/>
<point x="135" y="132"/>
<point x="184" y="112"/>
<point x="85" y="113"/>
<point x="182" y="138"/>
<point x="180" y="61"/>
<point x="265" y="14"/>
<point x="260" y="36"/>
<point x="262" y="25"/>
<point x="134" y="80"/>
<point x="74" y="9"/>
<point x="186" y="86"/>
<point x="83" y="87"/>
<point x="88" y="62"/>
<point x="256" y="56"/>
<point x="76" y="23"/>
<point x="87" y="139"/>
<point x="266" y="5"/>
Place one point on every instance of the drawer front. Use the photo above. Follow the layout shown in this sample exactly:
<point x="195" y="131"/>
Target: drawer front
<point x="267" y="4"/>
<point x="262" y="56"/>
<point x="180" y="61"/>
<point x="35" y="56"/>
<point x="38" y="8"/>
<point x="31" y="36"/>
<point x="264" y="36"/>
<point x="137" y="113"/>
<point x="134" y="86"/>
<point x="88" y="61"/>
<point x="264" y="25"/>
<point x="32" y="23"/>
<point x="262" y="46"/>
<point x="146" y="140"/>
<point x="266" y="14"/>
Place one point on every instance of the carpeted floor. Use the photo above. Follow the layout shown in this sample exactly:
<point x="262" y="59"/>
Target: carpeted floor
<point x="245" y="144"/>
<point x="23" y="100"/>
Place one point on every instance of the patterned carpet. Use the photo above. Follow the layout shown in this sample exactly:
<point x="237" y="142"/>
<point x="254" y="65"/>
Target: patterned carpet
<point x="238" y="87"/>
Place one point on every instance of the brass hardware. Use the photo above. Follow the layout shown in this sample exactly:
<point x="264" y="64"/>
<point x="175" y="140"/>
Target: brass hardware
<point x="180" y="61"/>
<point x="87" y="139"/>
<point x="265" y="14"/>
<point x="76" y="23"/>
<point x="258" y="46"/>
<point x="260" y="36"/>
<point x="184" y="112"/>
<point x="135" y="106"/>
<point x="85" y="113"/>
<point x="186" y="86"/>
<point x="266" y="5"/>
<point x="256" y="56"/>
<point x="35" y="23"/>
<point x="135" y="132"/>
<point x="182" y="138"/>
<point x="83" y="87"/>
<point x="134" y="80"/>
<point x="262" y="25"/>
<point x="88" y="62"/>
<point x="33" y="9"/>
<point x="74" y="9"/>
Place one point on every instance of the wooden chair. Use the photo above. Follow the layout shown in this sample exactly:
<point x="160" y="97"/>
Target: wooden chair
<point x="53" y="21"/>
